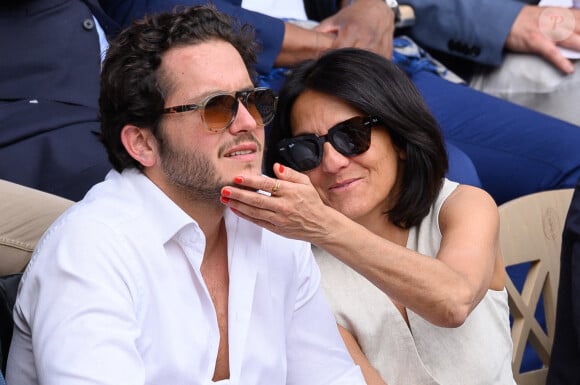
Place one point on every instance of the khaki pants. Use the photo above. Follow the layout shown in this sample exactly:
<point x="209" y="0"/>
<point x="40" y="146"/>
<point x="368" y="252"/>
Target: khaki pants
<point x="530" y="81"/>
<point x="25" y="214"/>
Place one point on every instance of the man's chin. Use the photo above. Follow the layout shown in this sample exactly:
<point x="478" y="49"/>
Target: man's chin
<point x="246" y="168"/>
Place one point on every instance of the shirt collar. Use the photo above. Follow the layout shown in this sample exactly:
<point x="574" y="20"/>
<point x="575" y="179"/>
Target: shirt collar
<point x="163" y="213"/>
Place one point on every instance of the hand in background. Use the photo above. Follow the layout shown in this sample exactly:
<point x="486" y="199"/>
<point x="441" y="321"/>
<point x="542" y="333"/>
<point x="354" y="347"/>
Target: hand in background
<point x="367" y="24"/>
<point x="541" y="30"/>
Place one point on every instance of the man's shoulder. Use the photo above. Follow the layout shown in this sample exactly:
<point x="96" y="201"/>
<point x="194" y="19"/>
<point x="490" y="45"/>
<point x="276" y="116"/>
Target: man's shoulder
<point x="104" y="216"/>
<point x="103" y="206"/>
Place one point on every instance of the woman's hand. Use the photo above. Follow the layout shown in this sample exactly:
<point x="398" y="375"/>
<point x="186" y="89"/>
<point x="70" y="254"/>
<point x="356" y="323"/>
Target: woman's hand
<point x="289" y="205"/>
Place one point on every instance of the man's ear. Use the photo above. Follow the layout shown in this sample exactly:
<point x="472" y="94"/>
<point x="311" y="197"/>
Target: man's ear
<point x="140" y="144"/>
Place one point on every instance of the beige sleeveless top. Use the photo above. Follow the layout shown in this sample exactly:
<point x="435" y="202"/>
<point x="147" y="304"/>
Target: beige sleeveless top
<point x="477" y="352"/>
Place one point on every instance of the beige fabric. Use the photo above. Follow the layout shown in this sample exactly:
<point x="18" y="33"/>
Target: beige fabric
<point x="478" y="352"/>
<point x="25" y="214"/>
<point x="530" y="81"/>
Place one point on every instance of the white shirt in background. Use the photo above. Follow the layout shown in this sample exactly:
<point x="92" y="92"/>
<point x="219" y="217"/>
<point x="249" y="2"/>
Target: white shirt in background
<point x="284" y="9"/>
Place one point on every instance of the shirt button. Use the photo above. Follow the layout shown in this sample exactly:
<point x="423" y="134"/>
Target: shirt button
<point x="88" y="24"/>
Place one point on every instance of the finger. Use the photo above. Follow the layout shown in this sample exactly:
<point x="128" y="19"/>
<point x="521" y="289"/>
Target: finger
<point x="549" y="50"/>
<point x="264" y="224"/>
<point x="255" y="182"/>
<point x="259" y="208"/>
<point x="253" y="203"/>
<point x="561" y="62"/>
<point x="276" y="187"/>
<point x="260" y="217"/>
<point x="290" y="175"/>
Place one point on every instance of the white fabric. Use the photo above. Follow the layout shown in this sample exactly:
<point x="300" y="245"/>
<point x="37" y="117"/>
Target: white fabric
<point x="530" y="81"/>
<point x="283" y="9"/>
<point x="103" y="43"/>
<point x="114" y="295"/>
<point x="476" y="353"/>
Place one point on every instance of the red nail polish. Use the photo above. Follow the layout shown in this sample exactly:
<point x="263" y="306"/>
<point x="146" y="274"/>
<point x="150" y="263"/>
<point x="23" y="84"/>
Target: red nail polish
<point x="238" y="180"/>
<point x="281" y="169"/>
<point x="226" y="192"/>
<point x="225" y="200"/>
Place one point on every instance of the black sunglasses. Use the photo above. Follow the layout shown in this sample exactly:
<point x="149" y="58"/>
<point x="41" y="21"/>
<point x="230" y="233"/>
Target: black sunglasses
<point x="351" y="137"/>
<point x="218" y="111"/>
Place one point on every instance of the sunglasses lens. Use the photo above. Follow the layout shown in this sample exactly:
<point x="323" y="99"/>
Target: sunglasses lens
<point x="351" y="137"/>
<point x="261" y="104"/>
<point x="302" y="153"/>
<point x="219" y="112"/>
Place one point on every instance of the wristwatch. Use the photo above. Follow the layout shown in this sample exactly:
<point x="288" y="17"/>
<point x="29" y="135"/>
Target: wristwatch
<point x="394" y="5"/>
<point x="404" y="15"/>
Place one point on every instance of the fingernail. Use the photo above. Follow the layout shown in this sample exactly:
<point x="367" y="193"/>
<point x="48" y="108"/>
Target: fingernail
<point x="234" y="210"/>
<point x="226" y="192"/>
<point x="238" y="180"/>
<point x="281" y="169"/>
<point x="225" y="200"/>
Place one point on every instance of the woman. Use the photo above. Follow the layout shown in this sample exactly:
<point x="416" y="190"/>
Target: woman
<point x="410" y="261"/>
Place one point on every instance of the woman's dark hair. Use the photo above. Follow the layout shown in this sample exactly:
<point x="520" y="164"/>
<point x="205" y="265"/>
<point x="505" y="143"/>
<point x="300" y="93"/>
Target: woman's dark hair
<point x="133" y="89"/>
<point x="376" y="87"/>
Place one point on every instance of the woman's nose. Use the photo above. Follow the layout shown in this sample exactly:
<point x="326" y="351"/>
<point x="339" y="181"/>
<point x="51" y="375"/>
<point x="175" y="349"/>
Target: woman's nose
<point x="332" y="160"/>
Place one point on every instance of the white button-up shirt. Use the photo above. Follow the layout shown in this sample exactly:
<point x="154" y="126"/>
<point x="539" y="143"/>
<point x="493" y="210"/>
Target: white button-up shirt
<point x="114" y="295"/>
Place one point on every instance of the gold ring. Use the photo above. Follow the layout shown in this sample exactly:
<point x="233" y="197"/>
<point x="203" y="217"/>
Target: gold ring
<point x="276" y="186"/>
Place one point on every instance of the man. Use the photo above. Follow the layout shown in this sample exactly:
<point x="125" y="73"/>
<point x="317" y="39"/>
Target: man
<point x="148" y="280"/>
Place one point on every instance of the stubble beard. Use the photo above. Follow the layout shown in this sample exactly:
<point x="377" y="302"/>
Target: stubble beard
<point x="193" y="173"/>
